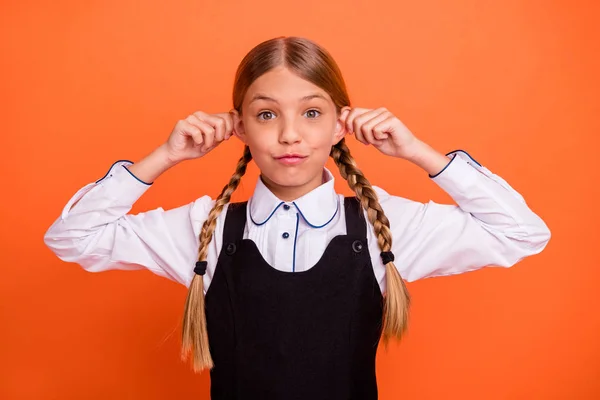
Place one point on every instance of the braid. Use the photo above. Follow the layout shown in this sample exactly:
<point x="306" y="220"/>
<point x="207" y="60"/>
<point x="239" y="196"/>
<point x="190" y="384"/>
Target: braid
<point x="397" y="299"/>
<point x="195" y="335"/>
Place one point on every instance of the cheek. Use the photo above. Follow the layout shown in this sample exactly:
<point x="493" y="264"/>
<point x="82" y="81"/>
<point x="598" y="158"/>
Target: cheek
<point x="320" y="137"/>
<point x="261" y="143"/>
<point x="257" y="135"/>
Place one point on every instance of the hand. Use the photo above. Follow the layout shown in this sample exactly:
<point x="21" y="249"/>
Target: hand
<point x="198" y="134"/>
<point x="381" y="129"/>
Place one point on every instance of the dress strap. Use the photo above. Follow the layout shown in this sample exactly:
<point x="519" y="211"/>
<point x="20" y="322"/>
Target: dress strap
<point x="235" y="222"/>
<point x="356" y="224"/>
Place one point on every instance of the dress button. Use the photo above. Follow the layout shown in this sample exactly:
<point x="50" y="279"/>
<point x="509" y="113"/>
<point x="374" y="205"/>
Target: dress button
<point x="286" y="207"/>
<point x="357" y="246"/>
<point x="285" y="235"/>
<point x="230" y="248"/>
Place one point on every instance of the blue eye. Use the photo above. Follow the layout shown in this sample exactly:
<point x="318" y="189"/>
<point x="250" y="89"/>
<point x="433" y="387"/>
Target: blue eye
<point x="266" y="115"/>
<point x="312" y="114"/>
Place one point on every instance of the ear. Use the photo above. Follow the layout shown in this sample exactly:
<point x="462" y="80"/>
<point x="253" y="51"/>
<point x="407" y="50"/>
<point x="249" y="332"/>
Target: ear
<point x="340" y="125"/>
<point x="238" y="126"/>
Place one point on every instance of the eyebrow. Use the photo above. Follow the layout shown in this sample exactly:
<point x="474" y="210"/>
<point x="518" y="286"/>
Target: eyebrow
<point x="267" y="98"/>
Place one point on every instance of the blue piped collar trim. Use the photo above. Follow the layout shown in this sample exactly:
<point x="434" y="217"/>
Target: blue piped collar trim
<point x="318" y="207"/>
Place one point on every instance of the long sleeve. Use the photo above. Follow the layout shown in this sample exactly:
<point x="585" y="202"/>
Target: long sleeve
<point x="490" y="225"/>
<point x="99" y="234"/>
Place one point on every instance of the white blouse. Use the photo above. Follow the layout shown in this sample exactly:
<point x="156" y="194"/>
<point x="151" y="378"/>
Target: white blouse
<point x="490" y="225"/>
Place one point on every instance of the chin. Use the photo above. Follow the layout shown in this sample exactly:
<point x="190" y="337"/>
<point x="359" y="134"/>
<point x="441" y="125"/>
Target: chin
<point x="292" y="176"/>
<point x="289" y="177"/>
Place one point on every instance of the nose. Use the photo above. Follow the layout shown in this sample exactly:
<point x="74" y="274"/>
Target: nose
<point x="289" y="133"/>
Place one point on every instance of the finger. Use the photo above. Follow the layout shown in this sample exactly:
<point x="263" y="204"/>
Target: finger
<point x="208" y="132"/>
<point x="355" y="112"/>
<point x="360" y="138"/>
<point x="197" y="122"/>
<point x="193" y="131"/>
<point x="228" y="118"/>
<point x="357" y="133"/>
<point x="219" y="124"/>
<point x="376" y="136"/>
<point x="381" y="129"/>
<point x="362" y="124"/>
<point x="359" y="122"/>
<point x="200" y="114"/>
<point x="351" y="126"/>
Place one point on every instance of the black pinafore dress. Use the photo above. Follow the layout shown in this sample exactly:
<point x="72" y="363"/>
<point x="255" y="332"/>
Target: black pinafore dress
<point x="309" y="335"/>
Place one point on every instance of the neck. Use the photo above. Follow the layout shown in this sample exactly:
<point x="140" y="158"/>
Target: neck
<point x="291" y="193"/>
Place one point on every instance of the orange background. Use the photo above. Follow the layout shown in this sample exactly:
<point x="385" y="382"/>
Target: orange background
<point x="515" y="83"/>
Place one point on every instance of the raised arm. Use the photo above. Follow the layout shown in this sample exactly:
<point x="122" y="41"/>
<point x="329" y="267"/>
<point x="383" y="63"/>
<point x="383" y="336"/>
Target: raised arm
<point x="491" y="224"/>
<point x="96" y="231"/>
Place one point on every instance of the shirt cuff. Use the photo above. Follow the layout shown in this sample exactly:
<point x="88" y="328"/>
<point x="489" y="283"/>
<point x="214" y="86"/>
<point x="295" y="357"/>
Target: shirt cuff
<point x="117" y="186"/>
<point x="459" y="174"/>
<point x="124" y="164"/>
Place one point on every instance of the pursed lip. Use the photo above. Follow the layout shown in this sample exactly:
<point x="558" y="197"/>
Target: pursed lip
<point x="290" y="155"/>
<point x="290" y="159"/>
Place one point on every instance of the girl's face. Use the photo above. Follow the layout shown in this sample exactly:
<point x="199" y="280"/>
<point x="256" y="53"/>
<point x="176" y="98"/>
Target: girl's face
<point x="290" y="125"/>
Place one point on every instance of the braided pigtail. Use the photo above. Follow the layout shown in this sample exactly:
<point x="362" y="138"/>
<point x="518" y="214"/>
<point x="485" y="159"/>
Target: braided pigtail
<point x="195" y="335"/>
<point x="397" y="299"/>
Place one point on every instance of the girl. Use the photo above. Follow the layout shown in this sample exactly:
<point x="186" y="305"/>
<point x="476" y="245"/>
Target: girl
<point x="300" y="283"/>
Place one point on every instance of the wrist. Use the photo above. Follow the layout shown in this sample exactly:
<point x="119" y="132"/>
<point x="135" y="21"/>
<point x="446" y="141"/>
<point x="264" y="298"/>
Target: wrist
<point x="427" y="158"/>
<point x="152" y="166"/>
<point x="164" y="157"/>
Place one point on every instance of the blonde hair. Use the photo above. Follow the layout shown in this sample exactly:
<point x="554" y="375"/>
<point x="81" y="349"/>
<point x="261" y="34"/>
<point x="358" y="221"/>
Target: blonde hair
<point x="313" y="63"/>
